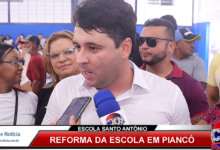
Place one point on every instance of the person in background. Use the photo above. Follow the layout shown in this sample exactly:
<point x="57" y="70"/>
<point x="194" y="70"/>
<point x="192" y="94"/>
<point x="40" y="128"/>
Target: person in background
<point x="40" y="50"/>
<point x="214" y="48"/>
<point x="1" y="39"/>
<point x="42" y="40"/>
<point x="8" y="40"/>
<point x="24" y="41"/>
<point x="18" y="40"/>
<point x="135" y="55"/>
<point x="10" y="74"/>
<point x="183" y="56"/>
<point x="213" y="81"/>
<point x="171" y="19"/>
<point x="60" y="62"/>
<point x="156" y="45"/>
<point x="24" y="55"/>
<point x="103" y="47"/>
<point x="212" y="116"/>
<point x="36" y="71"/>
<point x="46" y="39"/>
<point x="25" y="84"/>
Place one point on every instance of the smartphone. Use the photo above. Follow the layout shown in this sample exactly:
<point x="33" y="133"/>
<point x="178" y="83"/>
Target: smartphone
<point x="76" y="108"/>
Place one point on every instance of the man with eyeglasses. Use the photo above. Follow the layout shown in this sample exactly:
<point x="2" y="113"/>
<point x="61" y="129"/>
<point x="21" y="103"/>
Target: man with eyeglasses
<point x="36" y="71"/>
<point x="183" y="56"/>
<point x="156" y="45"/>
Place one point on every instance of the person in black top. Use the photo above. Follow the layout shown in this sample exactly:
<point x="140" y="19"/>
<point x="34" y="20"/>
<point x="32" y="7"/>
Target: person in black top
<point x="171" y="19"/>
<point x="135" y="55"/>
<point x="60" y="62"/>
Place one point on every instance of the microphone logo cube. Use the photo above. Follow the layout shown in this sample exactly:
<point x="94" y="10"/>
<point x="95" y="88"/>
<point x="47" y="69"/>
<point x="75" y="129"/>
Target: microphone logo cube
<point x="115" y="119"/>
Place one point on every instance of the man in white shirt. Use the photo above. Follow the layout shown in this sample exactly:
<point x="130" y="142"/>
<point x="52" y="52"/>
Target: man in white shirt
<point x="103" y="47"/>
<point x="42" y="40"/>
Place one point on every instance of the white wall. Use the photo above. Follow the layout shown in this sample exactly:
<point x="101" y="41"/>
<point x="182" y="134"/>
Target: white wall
<point x="181" y="10"/>
<point x="36" y="11"/>
<point x="4" y="12"/>
<point x="206" y="11"/>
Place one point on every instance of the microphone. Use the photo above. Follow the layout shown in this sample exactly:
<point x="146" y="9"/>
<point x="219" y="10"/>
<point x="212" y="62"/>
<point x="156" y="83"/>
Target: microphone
<point x="108" y="109"/>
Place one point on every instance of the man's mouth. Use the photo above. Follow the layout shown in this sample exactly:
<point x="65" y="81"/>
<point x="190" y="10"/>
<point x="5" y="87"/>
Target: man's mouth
<point x="88" y="72"/>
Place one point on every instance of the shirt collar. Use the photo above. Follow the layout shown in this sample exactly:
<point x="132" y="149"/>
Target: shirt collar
<point x="143" y="67"/>
<point x="176" y="73"/>
<point x="138" y="78"/>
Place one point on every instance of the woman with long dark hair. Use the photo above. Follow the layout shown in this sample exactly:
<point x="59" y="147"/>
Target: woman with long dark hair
<point x="17" y="107"/>
<point x="8" y="40"/>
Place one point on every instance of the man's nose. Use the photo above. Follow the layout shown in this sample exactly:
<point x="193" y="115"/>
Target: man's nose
<point x="81" y="57"/>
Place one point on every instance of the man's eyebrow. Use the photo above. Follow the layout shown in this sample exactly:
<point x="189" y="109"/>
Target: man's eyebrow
<point x="89" y="44"/>
<point x="75" y="42"/>
<point x="93" y="44"/>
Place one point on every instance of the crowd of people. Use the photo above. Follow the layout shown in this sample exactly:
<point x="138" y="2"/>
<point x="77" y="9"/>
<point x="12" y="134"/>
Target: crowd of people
<point x="154" y="76"/>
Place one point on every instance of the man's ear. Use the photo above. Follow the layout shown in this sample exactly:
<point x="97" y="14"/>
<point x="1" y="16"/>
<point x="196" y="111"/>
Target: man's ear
<point x="177" y="44"/>
<point x="171" y="47"/>
<point x="126" y="47"/>
<point x="35" y="45"/>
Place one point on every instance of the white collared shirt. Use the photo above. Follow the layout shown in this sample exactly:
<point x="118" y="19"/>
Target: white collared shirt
<point x="151" y="100"/>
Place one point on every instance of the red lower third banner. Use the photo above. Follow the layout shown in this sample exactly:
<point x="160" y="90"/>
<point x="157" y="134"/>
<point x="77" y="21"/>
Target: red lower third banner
<point x="123" y="139"/>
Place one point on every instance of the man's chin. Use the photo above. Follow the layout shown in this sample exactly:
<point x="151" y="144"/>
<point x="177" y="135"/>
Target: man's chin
<point x="149" y="63"/>
<point x="90" y="84"/>
<point x="190" y="54"/>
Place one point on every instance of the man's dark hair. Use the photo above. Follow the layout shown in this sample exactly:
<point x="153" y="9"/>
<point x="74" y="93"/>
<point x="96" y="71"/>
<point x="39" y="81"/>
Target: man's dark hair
<point x="170" y="31"/>
<point x="35" y="39"/>
<point x="40" y="34"/>
<point x="116" y="18"/>
<point x="171" y="19"/>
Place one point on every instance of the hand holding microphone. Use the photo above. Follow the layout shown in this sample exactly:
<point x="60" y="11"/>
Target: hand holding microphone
<point x="108" y="109"/>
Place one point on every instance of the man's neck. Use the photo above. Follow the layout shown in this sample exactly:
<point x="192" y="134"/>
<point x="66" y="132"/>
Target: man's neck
<point x="162" y="69"/>
<point x="4" y="88"/>
<point x="178" y="56"/>
<point x="33" y="52"/>
<point x="124" y="81"/>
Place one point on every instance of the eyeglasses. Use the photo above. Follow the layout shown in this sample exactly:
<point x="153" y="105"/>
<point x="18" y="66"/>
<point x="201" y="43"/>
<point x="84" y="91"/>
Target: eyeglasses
<point x="66" y="53"/>
<point x="151" y="41"/>
<point x="16" y="62"/>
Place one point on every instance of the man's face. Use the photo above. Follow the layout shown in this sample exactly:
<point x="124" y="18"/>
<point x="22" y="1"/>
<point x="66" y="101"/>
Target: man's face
<point x="153" y="55"/>
<point x="186" y="47"/>
<point x="40" y="36"/>
<point x="100" y="62"/>
<point x="29" y="46"/>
